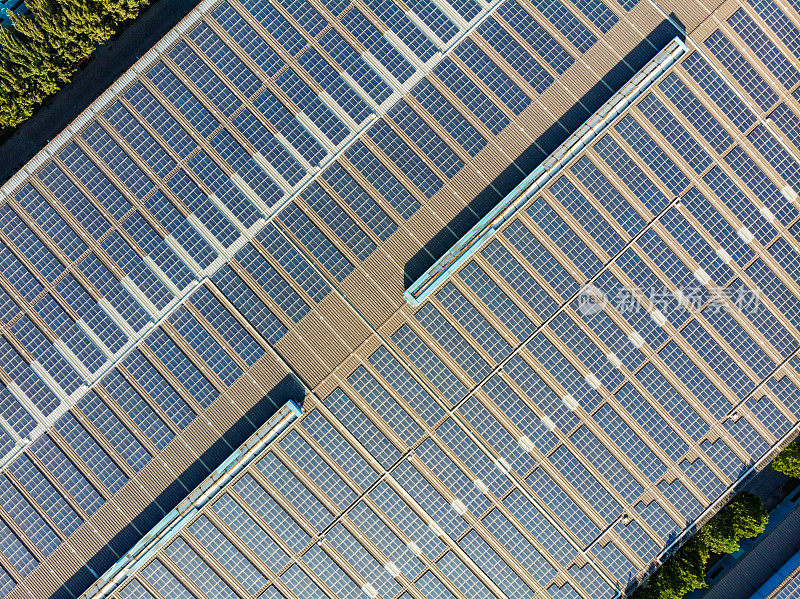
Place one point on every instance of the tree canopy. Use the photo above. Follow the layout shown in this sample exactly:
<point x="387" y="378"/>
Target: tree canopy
<point x="41" y="50"/>
<point x="788" y="461"/>
<point x="685" y="570"/>
<point x="743" y="518"/>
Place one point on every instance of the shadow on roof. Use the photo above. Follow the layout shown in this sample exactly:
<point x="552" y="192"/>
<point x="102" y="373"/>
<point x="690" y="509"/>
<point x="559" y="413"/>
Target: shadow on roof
<point x="289" y="388"/>
<point x="538" y="152"/>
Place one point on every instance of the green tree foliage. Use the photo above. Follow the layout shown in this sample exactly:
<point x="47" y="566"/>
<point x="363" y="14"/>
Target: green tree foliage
<point x="788" y="461"/>
<point x="744" y="517"/>
<point x="685" y="570"/>
<point x="42" y="49"/>
<point x="682" y="573"/>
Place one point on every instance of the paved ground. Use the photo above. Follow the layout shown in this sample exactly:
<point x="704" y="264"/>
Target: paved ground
<point x="772" y="486"/>
<point x="109" y="62"/>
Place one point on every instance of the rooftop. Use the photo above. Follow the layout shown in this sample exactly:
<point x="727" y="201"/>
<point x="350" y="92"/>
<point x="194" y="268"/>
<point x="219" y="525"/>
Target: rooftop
<point x="531" y="266"/>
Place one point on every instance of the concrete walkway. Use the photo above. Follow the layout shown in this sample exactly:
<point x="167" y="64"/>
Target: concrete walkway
<point x="109" y="62"/>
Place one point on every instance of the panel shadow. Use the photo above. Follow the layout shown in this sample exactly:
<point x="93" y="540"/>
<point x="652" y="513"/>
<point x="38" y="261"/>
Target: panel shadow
<point x="538" y="152"/>
<point x="288" y="388"/>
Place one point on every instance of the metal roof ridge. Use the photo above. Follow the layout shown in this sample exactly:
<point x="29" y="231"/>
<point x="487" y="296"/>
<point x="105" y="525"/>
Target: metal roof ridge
<point x="595" y="125"/>
<point x="172" y="522"/>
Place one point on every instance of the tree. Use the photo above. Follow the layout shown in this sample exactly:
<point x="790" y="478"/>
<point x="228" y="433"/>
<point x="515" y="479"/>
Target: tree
<point x="42" y="49"/>
<point x="744" y="517"/>
<point x="788" y="461"/>
<point x="682" y="573"/>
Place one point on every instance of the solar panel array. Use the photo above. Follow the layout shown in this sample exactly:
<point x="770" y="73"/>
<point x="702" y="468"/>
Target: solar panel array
<point x="584" y="388"/>
<point x="790" y="590"/>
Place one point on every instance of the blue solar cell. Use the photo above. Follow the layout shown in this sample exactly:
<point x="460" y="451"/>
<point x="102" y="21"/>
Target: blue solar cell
<point x="672" y="130"/>
<point x="179" y="228"/>
<point x="276" y="286"/>
<point x="205" y="345"/>
<point x="218" y="316"/>
<point x="608" y="465"/>
<point x="46" y="495"/>
<point x="488" y="72"/>
<point x="374" y="42"/>
<point x="273" y="515"/>
<point x="615" y="561"/>
<point x="387" y="408"/>
<point x="65" y="472"/>
<point x="406" y="386"/>
<point x="182" y="99"/>
<point x="519" y="59"/>
<point x="430" y="365"/>
<point x="159" y="390"/>
<point x="312" y="106"/>
<point x="246" y="37"/>
<point x="659" y="520"/>
<point x="184" y="370"/>
<point x="567" y="23"/>
<point x="630" y="174"/>
<point x="50" y="222"/>
<point x="253" y="175"/>
<point x="651" y="422"/>
<point x="202" y="77"/>
<point x="448" y="117"/>
<point x="157" y="249"/>
<point x="471" y="95"/>
<point x="423" y="137"/>
<point x="627" y="440"/>
<point x="677" y="493"/>
<point x="94" y="456"/>
<point x="355" y="66"/>
<point x="653" y="156"/>
<point x="453" y="342"/>
<point x="377" y="175"/>
<point x="518" y="277"/>
<point x="73" y="200"/>
<point x="23" y="375"/>
<point x="339" y="221"/>
<point x="117" y="160"/>
<point x="138" y="410"/>
<point x="225" y="60"/>
<point x="269" y="147"/>
<point x="520" y="413"/>
<point x="764" y="48"/>
<point x="249" y="304"/>
<point x="437" y="21"/>
<point x="112" y="428"/>
<point x="405" y="29"/>
<point x="743" y="72"/>
<point x="27" y="518"/>
<point x="139" y="139"/>
<point x="524" y="24"/>
<point x="342" y="453"/>
<point x="132" y="265"/>
<point x="249" y="530"/>
<point x="719" y="92"/>
<point x="159" y="119"/>
<point x="696" y="113"/>
<point x="334" y="84"/>
<point x="318" y="246"/>
<point x="591" y="220"/>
